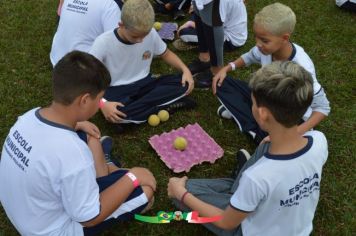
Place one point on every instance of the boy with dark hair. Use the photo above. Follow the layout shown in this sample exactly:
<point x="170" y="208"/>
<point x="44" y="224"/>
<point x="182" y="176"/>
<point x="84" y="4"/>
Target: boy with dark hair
<point x="53" y="183"/>
<point x="273" y="28"/>
<point x="278" y="189"/>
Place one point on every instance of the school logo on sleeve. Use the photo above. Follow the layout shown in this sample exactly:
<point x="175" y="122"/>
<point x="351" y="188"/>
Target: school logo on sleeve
<point x="146" y="55"/>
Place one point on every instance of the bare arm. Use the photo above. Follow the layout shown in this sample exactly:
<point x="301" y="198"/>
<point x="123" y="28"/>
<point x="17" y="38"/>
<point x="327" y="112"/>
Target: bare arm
<point x="172" y="59"/>
<point x="231" y="217"/>
<point x="314" y="120"/>
<point x="112" y="197"/>
<point x="221" y="75"/>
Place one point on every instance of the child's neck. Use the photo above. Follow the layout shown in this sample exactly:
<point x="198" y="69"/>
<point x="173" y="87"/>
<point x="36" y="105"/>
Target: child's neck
<point x="284" y="53"/>
<point x="58" y="114"/>
<point x="286" y="140"/>
<point x="122" y="36"/>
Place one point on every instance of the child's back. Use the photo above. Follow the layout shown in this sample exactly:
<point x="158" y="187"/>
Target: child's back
<point x="289" y="186"/>
<point x="277" y="190"/>
<point x="43" y="165"/>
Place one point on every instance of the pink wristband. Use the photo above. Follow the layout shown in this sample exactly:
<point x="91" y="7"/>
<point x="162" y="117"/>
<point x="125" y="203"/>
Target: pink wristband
<point x="133" y="178"/>
<point x="102" y="102"/>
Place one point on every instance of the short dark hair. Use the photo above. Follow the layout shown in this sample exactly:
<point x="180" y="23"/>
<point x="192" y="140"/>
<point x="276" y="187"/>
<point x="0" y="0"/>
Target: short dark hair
<point x="285" y="88"/>
<point x="78" y="73"/>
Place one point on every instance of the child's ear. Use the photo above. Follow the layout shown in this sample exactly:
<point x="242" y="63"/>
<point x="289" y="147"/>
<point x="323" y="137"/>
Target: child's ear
<point x="84" y="99"/>
<point x="263" y="113"/>
<point x="286" y="36"/>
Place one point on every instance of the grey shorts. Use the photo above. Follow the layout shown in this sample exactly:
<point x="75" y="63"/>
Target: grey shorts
<point x="218" y="192"/>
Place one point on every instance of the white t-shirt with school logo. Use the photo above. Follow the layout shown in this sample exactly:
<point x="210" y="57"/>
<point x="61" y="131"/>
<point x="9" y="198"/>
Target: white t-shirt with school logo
<point x="126" y="62"/>
<point x="47" y="178"/>
<point x="282" y="191"/>
<point x="320" y="102"/>
<point x="81" y="21"/>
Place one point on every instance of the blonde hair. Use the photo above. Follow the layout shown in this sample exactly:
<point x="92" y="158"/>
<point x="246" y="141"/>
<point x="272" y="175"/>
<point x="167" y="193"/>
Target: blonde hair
<point x="276" y="18"/>
<point x="285" y="88"/>
<point x="138" y="15"/>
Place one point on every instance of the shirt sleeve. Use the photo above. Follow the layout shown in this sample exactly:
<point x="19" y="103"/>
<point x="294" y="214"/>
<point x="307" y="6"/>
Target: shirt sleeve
<point x="320" y="103"/>
<point x="98" y="49"/>
<point x="80" y="195"/>
<point x="111" y="16"/>
<point x="159" y="45"/>
<point x="252" y="57"/>
<point x="247" y="196"/>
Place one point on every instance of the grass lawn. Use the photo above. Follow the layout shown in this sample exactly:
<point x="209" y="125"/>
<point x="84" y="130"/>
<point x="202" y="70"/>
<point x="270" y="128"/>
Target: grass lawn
<point x="327" y="34"/>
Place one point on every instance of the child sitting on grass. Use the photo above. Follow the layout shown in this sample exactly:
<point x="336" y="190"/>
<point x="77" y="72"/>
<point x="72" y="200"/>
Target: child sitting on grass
<point x="80" y="23"/>
<point x="273" y="27"/>
<point x="127" y="52"/>
<point x="53" y="183"/>
<point x="277" y="191"/>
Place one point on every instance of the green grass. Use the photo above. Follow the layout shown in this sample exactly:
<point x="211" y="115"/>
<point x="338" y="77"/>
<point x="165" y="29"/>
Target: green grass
<point x="327" y="35"/>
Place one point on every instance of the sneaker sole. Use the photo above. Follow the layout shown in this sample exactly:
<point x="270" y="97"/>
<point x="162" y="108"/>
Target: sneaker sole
<point x="103" y="138"/>
<point x="220" y="112"/>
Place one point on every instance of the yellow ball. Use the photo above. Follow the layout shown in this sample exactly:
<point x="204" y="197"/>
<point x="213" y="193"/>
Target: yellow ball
<point x="153" y="120"/>
<point x="157" y="25"/>
<point x="180" y="143"/>
<point x="163" y="115"/>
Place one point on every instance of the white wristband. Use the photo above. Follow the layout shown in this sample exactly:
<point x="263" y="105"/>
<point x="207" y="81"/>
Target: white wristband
<point x="133" y="179"/>
<point x="233" y="66"/>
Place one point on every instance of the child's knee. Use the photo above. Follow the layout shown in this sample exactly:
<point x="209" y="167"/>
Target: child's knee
<point x="150" y="198"/>
<point x="149" y="205"/>
<point x="148" y="192"/>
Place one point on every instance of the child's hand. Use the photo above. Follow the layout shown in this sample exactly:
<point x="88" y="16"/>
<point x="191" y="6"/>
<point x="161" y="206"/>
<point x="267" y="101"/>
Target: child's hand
<point x="88" y="128"/>
<point x="218" y="79"/>
<point x="188" y="78"/>
<point x="187" y="24"/>
<point x="111" y="113"/>
<point x="267" y="139"/>
<point x="176" y="187"/>
<point x="145" y="177"/>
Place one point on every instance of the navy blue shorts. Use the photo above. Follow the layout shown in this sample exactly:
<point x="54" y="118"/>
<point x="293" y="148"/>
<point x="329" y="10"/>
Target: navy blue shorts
<point x="146" y="96"/>
<point x="134" y="200"/>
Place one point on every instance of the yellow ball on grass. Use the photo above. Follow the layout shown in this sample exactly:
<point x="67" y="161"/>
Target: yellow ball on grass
<point x="153" y="120"/>
<point x="163" y="115"/>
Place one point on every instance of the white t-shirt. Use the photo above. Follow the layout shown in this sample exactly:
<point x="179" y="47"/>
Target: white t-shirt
<point x="127" y="63"/>
<point x="47" y="178"/>
<point x="340" y="2"/>
<point x="233" y="14"/>
<point x="200" y="3"/>
<point x="282" y="191"/>
<point x="80" y="23"/>
<point x="320" y="102"/>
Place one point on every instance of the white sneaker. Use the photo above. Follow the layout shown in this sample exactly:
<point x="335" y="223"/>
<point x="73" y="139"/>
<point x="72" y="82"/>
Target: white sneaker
<point x="224" y="113"/>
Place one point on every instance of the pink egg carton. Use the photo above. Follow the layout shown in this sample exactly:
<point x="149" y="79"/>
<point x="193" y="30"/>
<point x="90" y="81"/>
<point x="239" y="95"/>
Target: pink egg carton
<point x="201" y="147"/>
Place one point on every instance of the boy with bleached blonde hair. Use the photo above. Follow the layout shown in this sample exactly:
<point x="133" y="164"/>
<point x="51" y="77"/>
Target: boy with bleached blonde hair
<point x="127" y="52"/>
<point x="277" y="191"/>
<point x="273" y="27"/>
